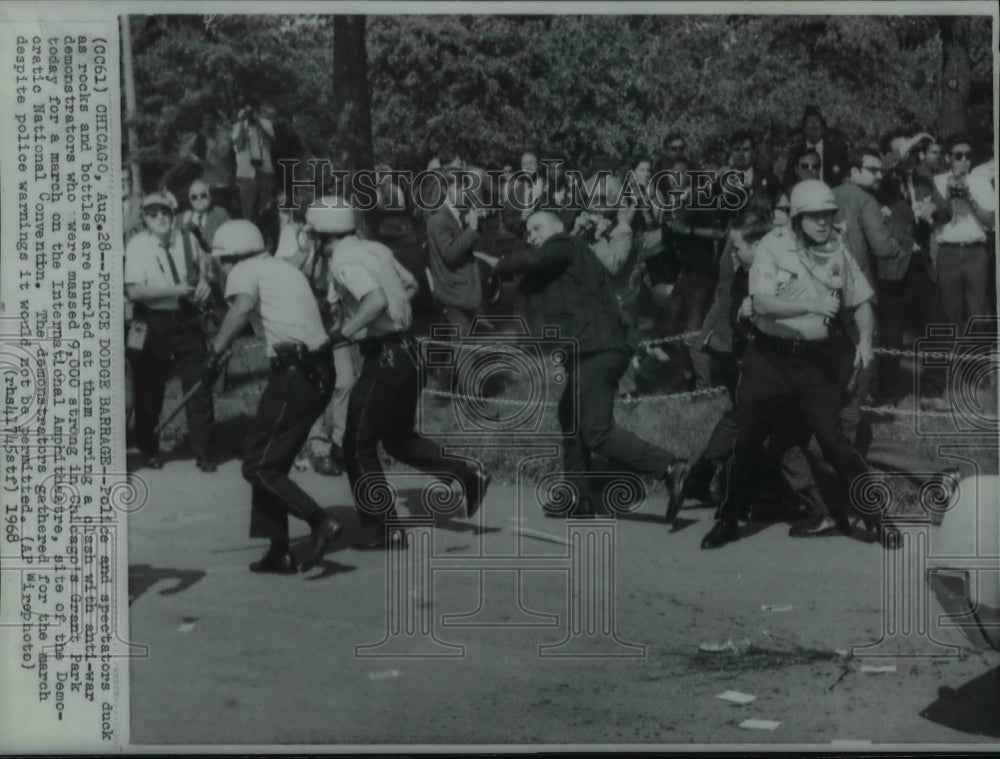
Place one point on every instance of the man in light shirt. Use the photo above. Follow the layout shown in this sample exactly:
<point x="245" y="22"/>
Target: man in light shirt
<point x="253" y="136"/>
<point x="165" y="281"/>
<point x="963" y="264"/>
<point x="372" y="292"/>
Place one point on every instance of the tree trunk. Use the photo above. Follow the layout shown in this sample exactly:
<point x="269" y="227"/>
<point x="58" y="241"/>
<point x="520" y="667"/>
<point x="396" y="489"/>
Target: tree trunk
<point x="955" y="75"/>
<point x="352" y="138"/>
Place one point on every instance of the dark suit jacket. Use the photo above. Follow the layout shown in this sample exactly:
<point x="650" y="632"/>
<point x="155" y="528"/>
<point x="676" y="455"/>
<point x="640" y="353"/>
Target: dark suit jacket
<point x="567" y="286"/>
<point x="834" y="170"/>
<point x="453" y="268"/>
<point x="866" y="232"/>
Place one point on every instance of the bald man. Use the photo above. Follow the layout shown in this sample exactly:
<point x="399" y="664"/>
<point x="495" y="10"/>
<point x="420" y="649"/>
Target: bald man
<point x="568" y="287"/>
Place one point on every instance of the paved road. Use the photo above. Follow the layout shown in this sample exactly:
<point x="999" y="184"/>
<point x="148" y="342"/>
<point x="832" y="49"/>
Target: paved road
<point x="238" y="658"/>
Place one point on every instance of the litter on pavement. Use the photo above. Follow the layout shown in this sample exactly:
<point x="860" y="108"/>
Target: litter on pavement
<point x="776" y="607"/>
<point x="878" y="669"/>
<point x="726" y="646"/>
<point x="759" y="724"/>
<point x="736" y="697"/>
<point x="386" y="675"/>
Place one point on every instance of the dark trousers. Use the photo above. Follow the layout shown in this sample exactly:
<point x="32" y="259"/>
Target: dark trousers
<point x="791" y="378"/>
<point x="963" y="282"/>
<point x="382" y="409"/>
<point x="784" y="452"/>
<point x="173" y="340"/>
<point x="255" y="194"/>
<point x="586" y="417"/>
<point x="289" y="405"/>
<point x="913" y="301"/>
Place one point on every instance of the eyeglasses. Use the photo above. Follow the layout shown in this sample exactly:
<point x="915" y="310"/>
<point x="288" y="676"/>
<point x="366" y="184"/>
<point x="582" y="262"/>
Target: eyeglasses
<point x="962" y="155"/>
<point x="202" y="196"/>
<point x="154" y="211"/>
<point x="808" y="166"/>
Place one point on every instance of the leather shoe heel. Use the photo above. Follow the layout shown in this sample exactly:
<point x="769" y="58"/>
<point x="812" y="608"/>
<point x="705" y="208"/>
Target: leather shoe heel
<point x="723" y="532"/>
<point x="675" y="478"/>
<point x="276" y="562"/>
<point x="322" y="537"/>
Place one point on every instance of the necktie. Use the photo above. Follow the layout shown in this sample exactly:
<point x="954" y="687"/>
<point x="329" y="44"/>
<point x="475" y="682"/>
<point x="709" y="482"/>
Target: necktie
<point x="173" y="266"/>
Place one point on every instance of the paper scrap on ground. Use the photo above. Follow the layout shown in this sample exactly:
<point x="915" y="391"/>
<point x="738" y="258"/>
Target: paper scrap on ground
<point x="878" y="669"/>
<point x="776" y="607"/>
<point x="538" y="534"/>
<point x="387" y="674"/>
<point x="759" y="724"/>
<point x="186" y="627"/>
<point x="736" y="697"/>
<point x="842" y="652"/>
<point x="729" y="645"/>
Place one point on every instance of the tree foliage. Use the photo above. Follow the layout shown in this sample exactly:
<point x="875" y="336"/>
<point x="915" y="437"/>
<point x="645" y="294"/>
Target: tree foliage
<point x="596" y="89"/>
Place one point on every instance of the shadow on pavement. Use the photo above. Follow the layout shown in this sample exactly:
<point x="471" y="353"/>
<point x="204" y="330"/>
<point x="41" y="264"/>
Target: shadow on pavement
<point x="972" y="708"/>
<point x="141" y="577"/>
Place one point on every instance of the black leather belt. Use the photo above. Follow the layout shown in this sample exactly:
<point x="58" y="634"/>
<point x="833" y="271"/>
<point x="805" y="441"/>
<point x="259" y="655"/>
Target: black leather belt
<point x="789" y="345"/>
<point x="297" y="354"/>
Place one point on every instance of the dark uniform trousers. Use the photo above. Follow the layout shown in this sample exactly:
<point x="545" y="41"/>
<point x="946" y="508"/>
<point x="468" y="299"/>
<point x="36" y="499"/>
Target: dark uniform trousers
<point x="173" y="339"/>
<point x="382" y="408"/>
<point x="788" y="377"/>
<point x="290" y="403"/>
<point x="586" y="417"/>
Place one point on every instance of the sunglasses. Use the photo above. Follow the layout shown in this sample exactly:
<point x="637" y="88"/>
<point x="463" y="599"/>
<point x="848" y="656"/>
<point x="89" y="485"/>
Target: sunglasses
<point x="154" y="211"/>
<point x="807" y="166"/>
<point x="962" y="155"/>
<point x="202" y="196"/>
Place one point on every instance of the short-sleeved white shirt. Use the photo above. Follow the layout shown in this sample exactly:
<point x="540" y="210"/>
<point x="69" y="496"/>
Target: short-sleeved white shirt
<point x="966" y="228"/>
<point x="284" y="301"/>
<point x="782" y="267"/>
<point x="357" y="267"/>
<point x="146" y="264"/>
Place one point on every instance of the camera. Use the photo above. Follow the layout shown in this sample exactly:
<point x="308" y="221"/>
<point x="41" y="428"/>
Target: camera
<point x="958" y="191"/>
<point x="501" y="378"/>
<point x="969" y="364"/>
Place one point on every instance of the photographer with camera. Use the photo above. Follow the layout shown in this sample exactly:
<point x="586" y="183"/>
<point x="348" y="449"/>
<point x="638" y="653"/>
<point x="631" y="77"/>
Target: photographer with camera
<point x="298" y="388"/>
<point x="963" y="258"/>
<point x="567" y="286"/>
<point x="253" y="138"/>
<point x="372" y="292"/>
<point x="165" y="279"/>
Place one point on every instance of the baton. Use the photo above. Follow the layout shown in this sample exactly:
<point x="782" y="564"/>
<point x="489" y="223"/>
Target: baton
<point x="187" y="397"/>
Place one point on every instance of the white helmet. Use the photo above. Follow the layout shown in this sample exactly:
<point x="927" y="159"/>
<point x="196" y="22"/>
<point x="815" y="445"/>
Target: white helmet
<point x="238" y="237"/>
<point x="331" y="215"/>
<point x="811" y="195"/>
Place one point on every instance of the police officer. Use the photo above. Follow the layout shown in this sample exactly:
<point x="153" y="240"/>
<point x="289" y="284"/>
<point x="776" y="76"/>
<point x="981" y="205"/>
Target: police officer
<point x="372" y="294"/>
<point x="166" y="281"/>
<point x="298" y="388"/>
<point x="568" y="287"/>
<point x="801" y="277"/>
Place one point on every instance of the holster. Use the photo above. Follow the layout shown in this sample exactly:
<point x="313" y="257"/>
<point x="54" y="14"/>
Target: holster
<point x="316" y="366"/>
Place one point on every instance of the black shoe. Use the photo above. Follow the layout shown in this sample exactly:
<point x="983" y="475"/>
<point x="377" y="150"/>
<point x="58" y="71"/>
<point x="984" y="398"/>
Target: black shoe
<point x="674" y="479"/>
<point x="276" y="562"/>
<point x="322" y="536"/>
<point x="154" y="462"/>
<point x="325" y="465"/>
<point x="723" y="532"/>
<point x="206" y="464"/>
<point x="475" y="481"/>
<point x="394" y="539"/>
<point x="819" y="526"/>
<point x="888" y="534"/>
